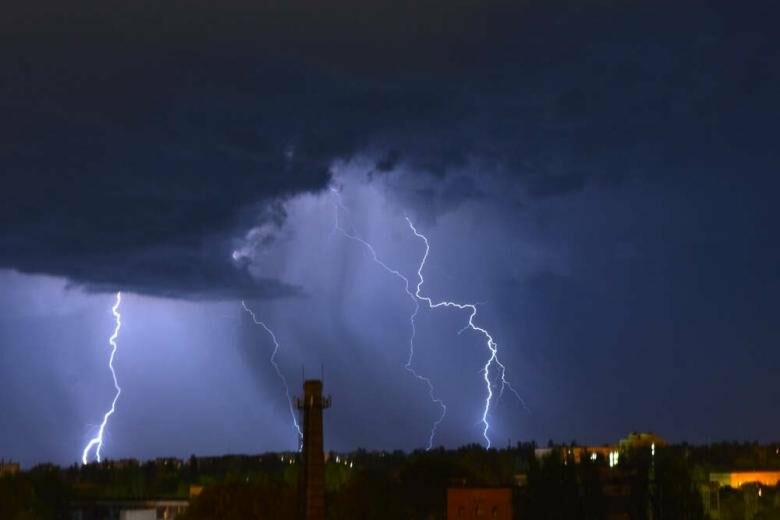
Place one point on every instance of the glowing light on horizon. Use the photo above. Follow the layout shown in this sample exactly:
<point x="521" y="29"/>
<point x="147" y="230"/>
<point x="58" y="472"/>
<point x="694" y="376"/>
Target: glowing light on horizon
<point x="416" y="309"/>
<point x="97" y="441"/>
<point x="491" y="344"/>
<point x="278" y="370"/>
<point x="614" y="458"/>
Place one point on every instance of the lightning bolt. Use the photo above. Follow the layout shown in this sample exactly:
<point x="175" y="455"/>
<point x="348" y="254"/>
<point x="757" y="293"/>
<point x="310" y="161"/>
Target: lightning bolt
<point x="97" y="441"/>
<point x="276" y="367"/>
<point x="407" y="288"/>
<point x="491" y="344"/>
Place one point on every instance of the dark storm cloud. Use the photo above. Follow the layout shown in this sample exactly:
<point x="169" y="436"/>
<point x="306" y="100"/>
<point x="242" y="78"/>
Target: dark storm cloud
<point x="136" y="138"/>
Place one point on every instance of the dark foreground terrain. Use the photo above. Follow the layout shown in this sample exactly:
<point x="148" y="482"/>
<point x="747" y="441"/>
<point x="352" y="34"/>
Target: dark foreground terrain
<point x="558" y="482"/>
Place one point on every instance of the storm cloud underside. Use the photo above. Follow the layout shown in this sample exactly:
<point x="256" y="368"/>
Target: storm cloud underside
<point x="600" y="176"/>
<point x="139" y="141"/>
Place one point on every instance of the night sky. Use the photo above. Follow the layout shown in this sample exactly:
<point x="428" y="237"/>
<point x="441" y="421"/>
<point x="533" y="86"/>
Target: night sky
<point x="600" y="177"/>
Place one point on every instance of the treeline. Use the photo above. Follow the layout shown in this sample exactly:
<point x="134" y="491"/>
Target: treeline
<point x="391" y="485"/>
<point x="395" y="485"/>
<point x="729" y="456"/>
<point x="39" y="494"/>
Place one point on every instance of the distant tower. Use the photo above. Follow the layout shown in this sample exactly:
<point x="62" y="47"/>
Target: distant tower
<point x="311" y="485"/>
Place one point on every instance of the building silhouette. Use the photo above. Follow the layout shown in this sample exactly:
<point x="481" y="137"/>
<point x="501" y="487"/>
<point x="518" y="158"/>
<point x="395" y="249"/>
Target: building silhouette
<point x="9" y="467"/>
<point x="467" y="503"/>
<point x="311" y="484"/>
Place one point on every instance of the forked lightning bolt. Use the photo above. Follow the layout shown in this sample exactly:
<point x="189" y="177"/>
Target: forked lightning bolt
<point x="276" y="367"/>
<point x="409" y="368"/>
<point x="97" y="441"/>
<point x="491" y="344"/>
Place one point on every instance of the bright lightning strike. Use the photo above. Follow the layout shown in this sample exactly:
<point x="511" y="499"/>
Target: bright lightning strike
<point x="97" y="441"/>
<point x="491" y="344"/>
<point x="408" y="367"/>
<point x="276" y="367"/>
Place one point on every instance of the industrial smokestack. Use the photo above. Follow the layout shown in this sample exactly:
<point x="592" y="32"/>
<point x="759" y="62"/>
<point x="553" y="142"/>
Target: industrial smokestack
<point x="311" y="484"/>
